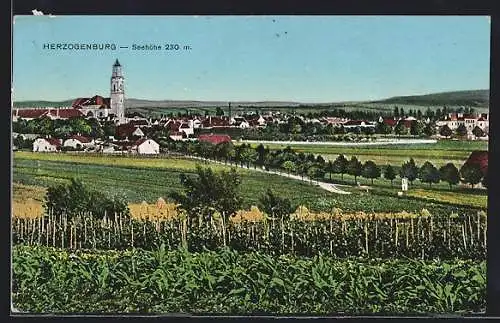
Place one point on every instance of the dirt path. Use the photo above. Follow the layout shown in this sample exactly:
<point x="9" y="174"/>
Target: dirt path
<point x="326" y="186"/>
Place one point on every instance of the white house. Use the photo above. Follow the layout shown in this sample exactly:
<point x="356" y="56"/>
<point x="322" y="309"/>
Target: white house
<point x="46" y="145"/>
<point x="187" y="128"/>
<point x="146" y="147"/>
<point x="77" y="142"/>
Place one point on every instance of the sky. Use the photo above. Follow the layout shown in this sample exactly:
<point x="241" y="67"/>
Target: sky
<point x="310" y="59"/>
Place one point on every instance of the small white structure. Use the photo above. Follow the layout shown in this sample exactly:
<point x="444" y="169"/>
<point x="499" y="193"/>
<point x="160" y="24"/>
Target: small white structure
<point x="146" y="147"/>
<point x="46" y="145"/>
<point x="404" y="184"/>
<point x="77" y="142"/>
<point x="138" y="132"/>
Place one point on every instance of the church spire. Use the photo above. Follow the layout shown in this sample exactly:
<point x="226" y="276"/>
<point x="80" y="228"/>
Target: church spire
<point x="117" y="63"/>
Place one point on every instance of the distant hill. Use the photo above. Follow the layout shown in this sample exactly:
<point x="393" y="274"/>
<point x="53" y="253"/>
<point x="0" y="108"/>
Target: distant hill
<point x="139" y="103"/>
<point x="42" y="104"/>
<point x="474" y="98"/>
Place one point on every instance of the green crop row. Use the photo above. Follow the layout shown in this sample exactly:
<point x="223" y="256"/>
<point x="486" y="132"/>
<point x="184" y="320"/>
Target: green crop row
<point x="47" y="280"/>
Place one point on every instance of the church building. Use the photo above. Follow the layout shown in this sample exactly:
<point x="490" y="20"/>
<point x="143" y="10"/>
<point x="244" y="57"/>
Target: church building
<point x="104" y="108"/>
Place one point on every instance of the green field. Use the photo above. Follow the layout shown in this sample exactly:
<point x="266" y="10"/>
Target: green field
<point x="147" y="179"/>
<point x="144" y="179"/>
<point x="444" y="151"/>
<point x="46" y="280"/>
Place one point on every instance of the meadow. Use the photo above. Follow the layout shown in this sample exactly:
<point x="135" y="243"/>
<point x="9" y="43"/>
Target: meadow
<point x="440" y="153"/>
<point x="147" y="179"/>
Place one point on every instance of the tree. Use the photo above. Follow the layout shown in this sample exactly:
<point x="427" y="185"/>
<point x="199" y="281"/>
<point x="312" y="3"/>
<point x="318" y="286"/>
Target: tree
<point x="289" y="166"/>
<point x="471" y="174"/>
<point x="428" y="173"/>
<point x="445" y="131"/>
<point x="340" y="166"/>
<point x="261" y="154"/>
<point x="369" y="131"/>
<point x="320" y="160"/>
<point x="461" y="131"/>
<point x="219" y="112"/>
<point x="430" y="129"/>
<point x="209" y="192"/>
<point x="75" y="198"/>
<point x="329" y="167"/>
<point x="275" y="206"/>
<point x="223" y="149"/>
<point x="396" y="112"/>
<point x="354" y="168"/>
<point x="400" y="129"/>
<point x="416" y="128"/>
<point x="370" y="170"/>
<point x="80" y="125"/>
<point x="303" y="168"/>
<point x="248" y="156"/>
<point x="109" y="129"/>
<point x="339" y="130"/>
<point x="383" y="128"/>
<point x="449" y="173"/>
<point x="316" y="172"/>
<point x="478" y="132"/>
<point x="409" y="170"/>
<point x="389" y="173"/>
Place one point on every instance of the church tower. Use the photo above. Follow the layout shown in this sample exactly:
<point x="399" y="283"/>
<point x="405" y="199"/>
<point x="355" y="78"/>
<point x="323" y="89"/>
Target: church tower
<point x="118" y="93"/>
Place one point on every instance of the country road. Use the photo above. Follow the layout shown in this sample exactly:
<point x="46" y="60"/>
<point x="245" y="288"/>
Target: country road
<point x="326" y="186"/>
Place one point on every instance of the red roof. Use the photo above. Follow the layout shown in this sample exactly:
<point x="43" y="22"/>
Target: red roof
<point x="215" y="122"/>
<point x="479" y="157"/>
<point x="53" y="141"/>
<point x="67" y="113"/>
<point x="38" y="113"/>
<point x="95" y="100"/>
<point x="81" y="139"/>
<point x="215" y="139"/>
<point x="390" y="121"/>
<point x="125" y="130"/>
<point x="173" y="126"/>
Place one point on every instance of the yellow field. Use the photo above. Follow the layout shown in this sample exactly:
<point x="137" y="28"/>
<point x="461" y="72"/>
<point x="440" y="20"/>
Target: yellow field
<point x="29" y="209"/>
<point x="163" y="211"/>
<point x="451" y="197"/>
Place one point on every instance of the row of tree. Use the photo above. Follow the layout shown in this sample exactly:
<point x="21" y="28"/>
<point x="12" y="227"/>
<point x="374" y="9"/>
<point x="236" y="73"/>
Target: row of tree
<point x="61" y="128"/>
<point x="461" y="131"/>
<point x="316" y="167"/>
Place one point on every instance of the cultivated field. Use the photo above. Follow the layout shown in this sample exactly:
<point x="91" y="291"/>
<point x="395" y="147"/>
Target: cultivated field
<point x="363" y="253"/>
